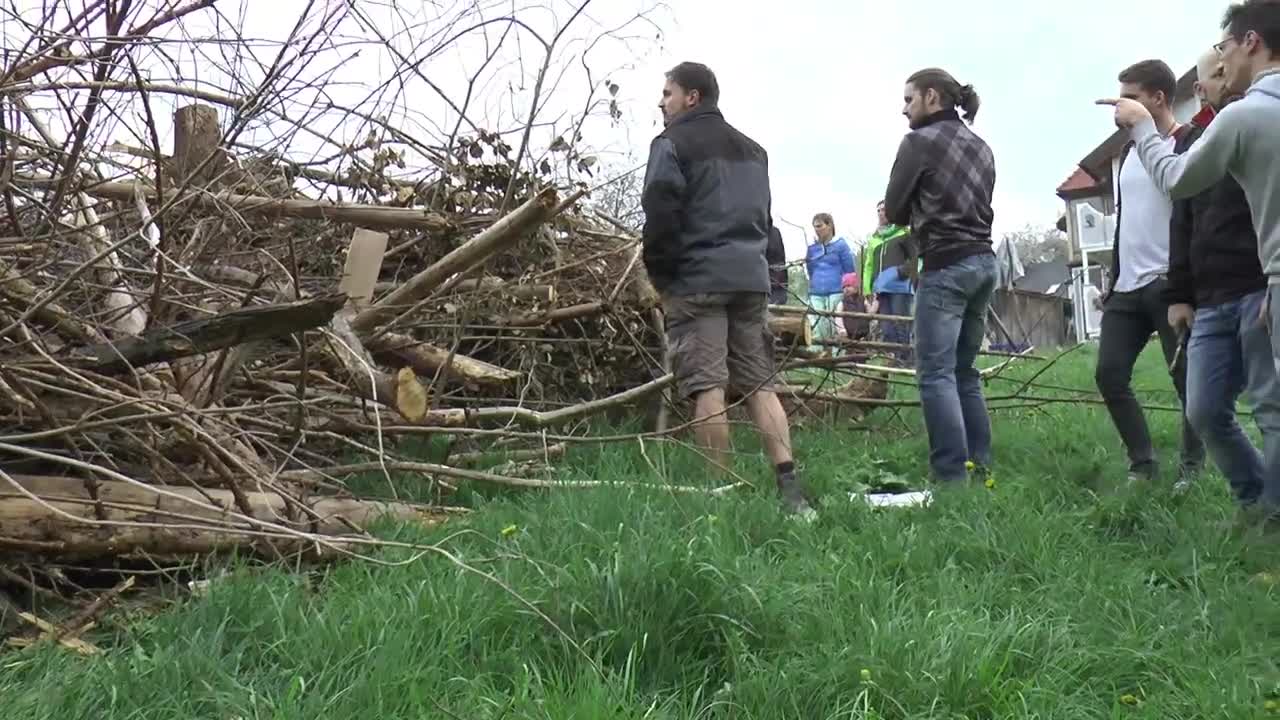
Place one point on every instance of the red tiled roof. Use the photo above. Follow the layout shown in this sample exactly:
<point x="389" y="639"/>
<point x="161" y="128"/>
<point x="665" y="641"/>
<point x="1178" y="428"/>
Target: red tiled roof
<point x="1079" y="180"/>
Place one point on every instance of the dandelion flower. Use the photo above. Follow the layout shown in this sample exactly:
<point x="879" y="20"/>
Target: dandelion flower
<point x="991" y="482"/>
<point x="968" y="465"/>
<point x="1128" y="699"/>
<point x="865" y="674"/>
<point x="509" y="530"/>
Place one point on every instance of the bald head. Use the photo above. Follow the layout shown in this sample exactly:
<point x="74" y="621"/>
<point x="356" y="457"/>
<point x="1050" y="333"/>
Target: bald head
<point x="1210" y="80"/>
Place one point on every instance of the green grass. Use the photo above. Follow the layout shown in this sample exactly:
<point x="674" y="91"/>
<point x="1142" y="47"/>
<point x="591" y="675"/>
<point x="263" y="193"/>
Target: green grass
<point x="1049" y="596"/>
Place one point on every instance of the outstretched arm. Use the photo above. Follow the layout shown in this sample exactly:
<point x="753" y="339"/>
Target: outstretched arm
<point x="1196" y="170"/>
<point x="1199" y="168"/>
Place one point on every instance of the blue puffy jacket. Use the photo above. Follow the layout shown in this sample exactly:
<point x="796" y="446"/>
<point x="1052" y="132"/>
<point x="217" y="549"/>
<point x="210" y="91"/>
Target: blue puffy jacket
<point x="827" y="265"/>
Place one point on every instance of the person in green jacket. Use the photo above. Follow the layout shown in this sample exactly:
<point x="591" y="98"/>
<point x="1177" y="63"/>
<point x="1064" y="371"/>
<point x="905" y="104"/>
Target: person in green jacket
<point x="888" y="270"/>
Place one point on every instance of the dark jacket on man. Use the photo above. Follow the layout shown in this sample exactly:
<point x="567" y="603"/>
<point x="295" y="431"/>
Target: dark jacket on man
<point x="1213" y="249"/>
<point x="707" y="207"/>
<point x="776" y="255"/>
<point x="941" y="186"/>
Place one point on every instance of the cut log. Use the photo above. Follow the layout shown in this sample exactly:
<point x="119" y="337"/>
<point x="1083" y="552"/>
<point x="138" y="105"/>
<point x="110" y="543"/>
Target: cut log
<point x="196" y="337"/>
<point x="44" y="529"/>
<point x="428" y="360"/>
<point x="789" y="310"/>
<point x="370" y="216"/>
<point x="791" y="330"/>
<point x="401" y="392"/>
<point x="558" y="315"/>
<point x="197" y="159"/>
<point x="536" y="293"/>
<point x="501" y="235"/>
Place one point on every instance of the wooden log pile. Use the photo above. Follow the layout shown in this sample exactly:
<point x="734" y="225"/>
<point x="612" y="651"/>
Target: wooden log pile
<point x="194" y="359"/>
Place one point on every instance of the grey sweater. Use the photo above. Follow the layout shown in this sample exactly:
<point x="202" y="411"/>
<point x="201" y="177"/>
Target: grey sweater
<point x="1244" y="142"/>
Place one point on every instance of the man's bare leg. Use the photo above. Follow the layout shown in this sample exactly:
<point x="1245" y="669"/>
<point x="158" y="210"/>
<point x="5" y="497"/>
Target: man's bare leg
<point x="711" y="428"/>
<point x="775" y="434"/>
<point x="771" y="420"/>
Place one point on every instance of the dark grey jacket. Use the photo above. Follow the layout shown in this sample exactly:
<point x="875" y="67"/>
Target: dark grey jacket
<point x="941" y="187"/>
<point x="707" y="208"/>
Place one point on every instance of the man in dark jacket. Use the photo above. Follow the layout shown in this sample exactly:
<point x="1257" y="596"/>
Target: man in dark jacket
<point x="1217" y="291"/>
<point x="707" y="210"/>
<point x="941" y="186"/>
<point x="1134" y="306"/>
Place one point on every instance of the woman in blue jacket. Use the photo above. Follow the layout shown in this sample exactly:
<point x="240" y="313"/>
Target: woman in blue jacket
<point x="827" y="261"/>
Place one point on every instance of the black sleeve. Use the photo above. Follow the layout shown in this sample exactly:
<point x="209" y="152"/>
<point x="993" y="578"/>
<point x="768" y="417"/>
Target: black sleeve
<point x="1181" y="286"/>
<point x="911" y="255"/>
<point x="903" y="179"/>
<point x="1180" y="289"/>
<point x="664" y="185"/>
<point x="775" y="252"/>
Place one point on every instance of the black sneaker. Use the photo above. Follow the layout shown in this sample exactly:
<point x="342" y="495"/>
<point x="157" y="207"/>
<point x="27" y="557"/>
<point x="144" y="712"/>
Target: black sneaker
<point x="1142" y="474"/>
<point x="795" y="500"/>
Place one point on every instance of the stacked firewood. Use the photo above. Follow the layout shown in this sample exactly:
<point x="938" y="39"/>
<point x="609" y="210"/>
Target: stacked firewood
<point x="197" y="356"/>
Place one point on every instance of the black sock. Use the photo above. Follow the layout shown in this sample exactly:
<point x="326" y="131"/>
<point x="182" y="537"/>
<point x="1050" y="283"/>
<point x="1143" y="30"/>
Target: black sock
<point x="786" y="468"/>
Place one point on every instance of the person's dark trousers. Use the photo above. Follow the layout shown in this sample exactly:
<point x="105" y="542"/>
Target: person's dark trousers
<point x="778" y="296"/>
<point x="1128" y="319"/>
<point x="1230" y="353"/>
<point x="950" y="322"/>
<point x="897" y="331"/>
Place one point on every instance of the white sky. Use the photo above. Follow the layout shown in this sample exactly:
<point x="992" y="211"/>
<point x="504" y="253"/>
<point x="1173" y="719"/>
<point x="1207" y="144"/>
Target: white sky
<point x="819" y="85"/>
<point x="817" y="82"/>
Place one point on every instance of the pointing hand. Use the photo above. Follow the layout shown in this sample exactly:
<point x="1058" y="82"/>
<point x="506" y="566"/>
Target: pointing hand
<point x="1128" y="112"/>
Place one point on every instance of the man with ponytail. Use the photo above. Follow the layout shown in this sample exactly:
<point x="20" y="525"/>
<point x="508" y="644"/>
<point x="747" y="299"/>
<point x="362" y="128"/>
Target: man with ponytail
<point x="941" y="187"/>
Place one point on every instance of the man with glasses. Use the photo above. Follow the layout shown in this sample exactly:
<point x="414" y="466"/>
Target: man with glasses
<point x="1216" y="289"/>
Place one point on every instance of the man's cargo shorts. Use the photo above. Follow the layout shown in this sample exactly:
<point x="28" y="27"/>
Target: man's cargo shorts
<point x="720" y="340"/>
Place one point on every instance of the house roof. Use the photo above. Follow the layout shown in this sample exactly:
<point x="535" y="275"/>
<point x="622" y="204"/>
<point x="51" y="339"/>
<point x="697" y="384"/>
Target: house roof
<point x="1078" y="181"/>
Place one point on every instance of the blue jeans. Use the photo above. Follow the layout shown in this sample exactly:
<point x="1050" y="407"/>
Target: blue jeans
<point x="1230" y="353"/>
<point x="950" y="322"/>
<point x="897" y="332"/>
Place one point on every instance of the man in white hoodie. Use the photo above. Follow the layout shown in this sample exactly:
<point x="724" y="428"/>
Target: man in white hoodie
<point x="1243" y="141"/>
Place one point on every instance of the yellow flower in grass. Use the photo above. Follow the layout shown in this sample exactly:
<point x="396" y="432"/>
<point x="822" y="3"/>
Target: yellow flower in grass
<point x="968" y="465"/>
<point x="1128" y="699"/>
<point x="865" y="674"/>
<point x="1272" y="706"/>
<point x="509" y="530"/>
<point x="991" y="482"/>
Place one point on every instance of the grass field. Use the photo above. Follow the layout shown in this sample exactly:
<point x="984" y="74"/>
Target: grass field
<point x="1049" y="595"/>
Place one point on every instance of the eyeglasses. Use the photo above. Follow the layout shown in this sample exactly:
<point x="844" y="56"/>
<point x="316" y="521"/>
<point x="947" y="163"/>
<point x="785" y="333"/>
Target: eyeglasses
<point x="1221" y="47"/>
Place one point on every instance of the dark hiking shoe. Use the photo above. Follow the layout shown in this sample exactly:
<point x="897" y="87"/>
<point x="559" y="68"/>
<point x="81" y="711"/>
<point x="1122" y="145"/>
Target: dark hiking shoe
<point x="795" y="500"/>
<point x="1141" y="474"/>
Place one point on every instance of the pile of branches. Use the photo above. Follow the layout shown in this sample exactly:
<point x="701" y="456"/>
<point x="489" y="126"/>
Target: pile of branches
<point x="201" y="343"/>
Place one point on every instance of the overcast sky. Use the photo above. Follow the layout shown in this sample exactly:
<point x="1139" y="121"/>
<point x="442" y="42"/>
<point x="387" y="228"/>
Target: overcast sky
<point x="819" y="84"/>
